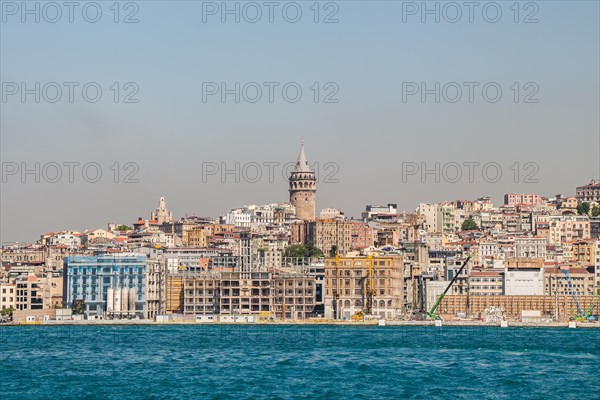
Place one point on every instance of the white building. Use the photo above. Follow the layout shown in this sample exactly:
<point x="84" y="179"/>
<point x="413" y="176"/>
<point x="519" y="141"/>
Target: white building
<point x="65" y="239"/>
<point x="524" y="282"/>
<point x="433" y="289"/>
<point x="8" y="295"/>
<point x="373" y="211"/>
<point x="240" y="217"/>
<point x="431" y="217"/>
<point x="331" y="213"/>
<point x="530" y="247"/>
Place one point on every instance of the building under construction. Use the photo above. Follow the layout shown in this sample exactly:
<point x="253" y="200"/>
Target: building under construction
<point x="363" y="285"/>
<point x="281" y="296"/>
<point x="557" y="308"/>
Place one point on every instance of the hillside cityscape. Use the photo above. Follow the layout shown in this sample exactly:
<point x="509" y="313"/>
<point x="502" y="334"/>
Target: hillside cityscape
<point x="531" y="259"/>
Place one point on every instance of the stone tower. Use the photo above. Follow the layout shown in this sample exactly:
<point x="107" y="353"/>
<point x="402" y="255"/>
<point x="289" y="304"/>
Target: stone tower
<point x="162" y="214"/>
<point x="303" y="188"/>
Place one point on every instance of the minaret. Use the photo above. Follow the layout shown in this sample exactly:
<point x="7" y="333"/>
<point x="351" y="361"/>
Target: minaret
<point x="303" y="188"/>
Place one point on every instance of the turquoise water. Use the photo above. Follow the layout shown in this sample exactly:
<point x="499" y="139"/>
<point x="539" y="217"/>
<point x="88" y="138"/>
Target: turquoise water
<point x="297" y="362"/>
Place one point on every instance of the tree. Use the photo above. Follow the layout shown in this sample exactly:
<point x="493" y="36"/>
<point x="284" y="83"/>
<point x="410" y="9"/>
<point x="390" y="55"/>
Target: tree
<point x="469" y="225"/>
<point x="333" y="251"/>
<point x="302" y="251"/>
<point x="595" y="211"/>
<point x="313" y="251"/>
<point x="295" y="250"/>
<point x="583" y="208"/>
<point x="78" y="307"/>
<point x="6" y="313"/>
<point x="123" y="228"/>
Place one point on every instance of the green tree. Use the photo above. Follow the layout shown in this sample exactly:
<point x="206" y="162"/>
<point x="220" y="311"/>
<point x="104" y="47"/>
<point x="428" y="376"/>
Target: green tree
<point x="78" y="307"/>
<point x="595" y="211"/>
<point x="333" y="251"/>
<point x="7" y="313"/>
<point x="123" y="228"/>
<point x="295" y="250"/>
<point x="313" y="251"/>
<point x="301" y="250"/>
<point x="583" y="208"/>
<point x="469" y="225"/>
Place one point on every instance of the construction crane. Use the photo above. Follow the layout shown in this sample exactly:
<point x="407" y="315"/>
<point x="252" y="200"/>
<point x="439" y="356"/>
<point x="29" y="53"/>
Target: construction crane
<point x="588" y="313"/>
<point x="575" y="299"/>
<point x="370" y="286"/>
<point x="431" y="314"/>
<point x="369" y="291"/>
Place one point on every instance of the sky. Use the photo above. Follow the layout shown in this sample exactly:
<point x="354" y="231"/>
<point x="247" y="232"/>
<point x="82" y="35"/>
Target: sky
<point x="179" y="99"/>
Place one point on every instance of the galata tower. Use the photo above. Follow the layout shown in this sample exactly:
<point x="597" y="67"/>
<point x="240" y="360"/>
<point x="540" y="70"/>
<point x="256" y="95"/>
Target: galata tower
<point x="303" y="188"/>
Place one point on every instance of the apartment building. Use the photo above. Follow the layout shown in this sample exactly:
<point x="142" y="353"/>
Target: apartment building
<point x="512" y="199"/>
<point x="8" y="295"/>
<point x="568" y="228"/>
<point x="486" y="283"/>
<point x="156" y="296"/>
<point x="584" y="251"/>
<point x="557" y="284"/>
<point x="198" y="236"/>
<point x="29" y="293"/>
<point x="589" y="193"/>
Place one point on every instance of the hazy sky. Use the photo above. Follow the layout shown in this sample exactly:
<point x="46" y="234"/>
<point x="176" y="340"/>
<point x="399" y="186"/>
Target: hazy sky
<point x="372" y="60"/>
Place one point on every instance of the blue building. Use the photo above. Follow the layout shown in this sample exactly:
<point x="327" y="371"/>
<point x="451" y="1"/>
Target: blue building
<point x="110" y="286"/>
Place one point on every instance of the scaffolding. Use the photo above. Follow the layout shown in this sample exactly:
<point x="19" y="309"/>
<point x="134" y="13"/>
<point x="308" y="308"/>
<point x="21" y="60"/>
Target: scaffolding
<point x="559" y="308"/>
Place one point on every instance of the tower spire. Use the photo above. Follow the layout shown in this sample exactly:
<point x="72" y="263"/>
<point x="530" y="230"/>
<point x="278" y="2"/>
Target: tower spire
<point x="302" y="163"/>
<point x="303" y="187"/>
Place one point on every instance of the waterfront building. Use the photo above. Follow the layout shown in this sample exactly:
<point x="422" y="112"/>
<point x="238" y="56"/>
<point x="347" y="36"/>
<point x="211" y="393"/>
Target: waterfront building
<point x="8" y="295"/>
<point x="29" y="293"/>
<point x="88" y="280"/>
<point x="346" y="286"/>
<point x="556" y="283"/>
<point x="558" y="308"/>
<point x="156" y="287"/>
<point x="52" y="289"/>
<point x="524" y="282"/>
<point x="279" y="295"/>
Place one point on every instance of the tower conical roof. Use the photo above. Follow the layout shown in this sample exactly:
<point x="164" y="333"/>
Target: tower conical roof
<point x="302" y="163"/>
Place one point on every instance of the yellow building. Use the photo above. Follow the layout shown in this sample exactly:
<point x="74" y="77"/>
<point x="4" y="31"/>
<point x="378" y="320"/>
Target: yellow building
<point x="584" y="252"/>
<point x="198" y="236"/>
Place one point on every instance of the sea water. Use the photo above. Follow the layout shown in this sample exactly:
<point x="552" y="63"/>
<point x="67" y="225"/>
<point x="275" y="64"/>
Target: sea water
<point x="297" y="362"/>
